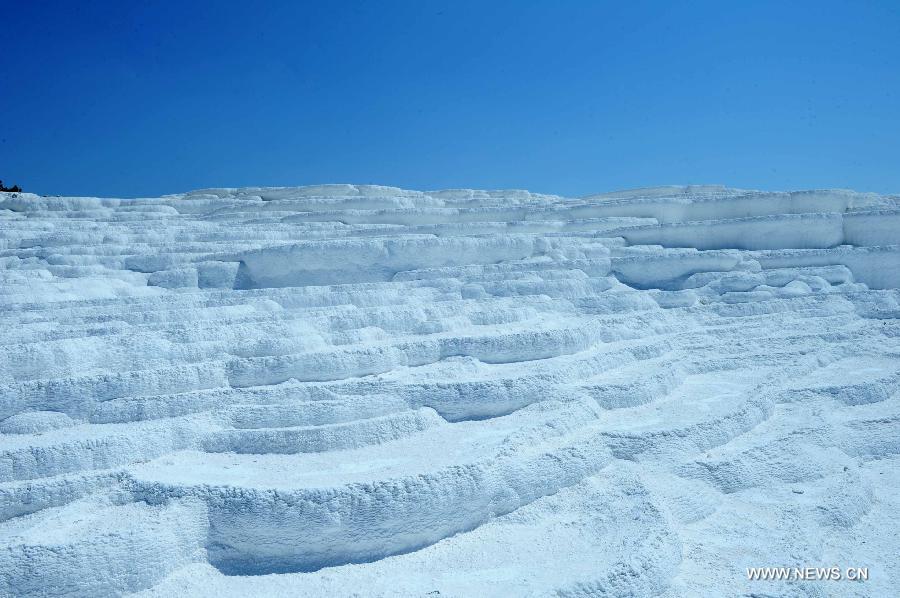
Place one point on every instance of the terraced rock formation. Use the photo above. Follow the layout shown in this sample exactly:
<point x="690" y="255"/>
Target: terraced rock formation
<point x="357" y="390"/>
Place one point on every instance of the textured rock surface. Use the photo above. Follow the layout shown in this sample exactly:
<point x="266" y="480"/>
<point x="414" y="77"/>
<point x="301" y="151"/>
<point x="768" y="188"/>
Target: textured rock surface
<point x="342" y="390"/>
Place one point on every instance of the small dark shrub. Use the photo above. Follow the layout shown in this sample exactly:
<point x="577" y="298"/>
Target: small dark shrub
<point x="13" y="189"/>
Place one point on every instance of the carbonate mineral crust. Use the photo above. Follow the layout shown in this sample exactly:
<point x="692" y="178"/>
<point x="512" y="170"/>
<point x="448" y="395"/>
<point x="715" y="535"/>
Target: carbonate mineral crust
<point x="361" y="390"/>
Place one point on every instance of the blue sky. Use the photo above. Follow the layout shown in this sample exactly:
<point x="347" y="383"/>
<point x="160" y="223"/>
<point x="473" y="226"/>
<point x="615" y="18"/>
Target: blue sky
<point x="134" y="99"/>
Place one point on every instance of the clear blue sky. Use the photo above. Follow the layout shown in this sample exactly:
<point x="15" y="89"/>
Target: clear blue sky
<point x="143" y="98"/>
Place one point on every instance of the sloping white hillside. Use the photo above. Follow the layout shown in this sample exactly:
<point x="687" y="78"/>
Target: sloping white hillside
<point x="358" y="390"/>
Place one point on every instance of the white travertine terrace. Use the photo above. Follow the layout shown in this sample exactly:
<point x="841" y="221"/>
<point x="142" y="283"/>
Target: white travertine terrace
<point x="361" y="390"/>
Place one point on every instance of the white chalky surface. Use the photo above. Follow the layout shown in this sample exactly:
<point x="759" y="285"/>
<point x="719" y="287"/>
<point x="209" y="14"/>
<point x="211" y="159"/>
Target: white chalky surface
<point x="358" y="390"/>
